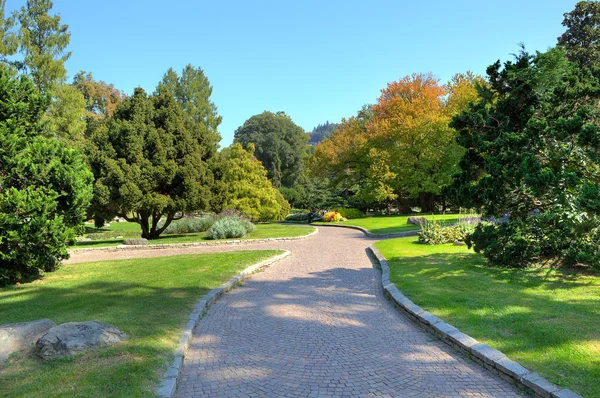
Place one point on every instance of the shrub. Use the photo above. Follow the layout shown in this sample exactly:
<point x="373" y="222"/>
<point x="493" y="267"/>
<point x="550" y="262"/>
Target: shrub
<point x="350" y="213"/>
<point x="229" y="227"/>
<point x="332" y="216"/>
<point x="190" y="225"/>
<point x="434" y="233"/>
<point x="298" y="217"/>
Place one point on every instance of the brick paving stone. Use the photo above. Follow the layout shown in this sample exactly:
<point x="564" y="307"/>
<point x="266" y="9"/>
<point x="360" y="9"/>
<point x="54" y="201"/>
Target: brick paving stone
<point x="316" y="324"/>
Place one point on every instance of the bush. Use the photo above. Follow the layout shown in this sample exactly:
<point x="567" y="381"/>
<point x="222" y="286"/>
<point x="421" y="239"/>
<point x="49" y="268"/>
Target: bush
<point x="350" y="213"/>
<point x="332" y="216"/>
<point x="190" y="225"/>
<point x="229" y="227"/>
<point x="434" y="233"/>
<point x="298" y="217"/>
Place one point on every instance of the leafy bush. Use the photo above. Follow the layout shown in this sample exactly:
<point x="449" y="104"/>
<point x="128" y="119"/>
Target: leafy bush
<point x="332" y="216"/>
<point x="229" y="227"/>
<point x="350" y="213"/>
<point x="417" y="221"/>
<point x="190" y="225"/>
<point x="434" y="233"/>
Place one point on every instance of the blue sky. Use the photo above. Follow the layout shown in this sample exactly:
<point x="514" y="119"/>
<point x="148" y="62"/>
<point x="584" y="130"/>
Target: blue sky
<point x="315" y="60"/>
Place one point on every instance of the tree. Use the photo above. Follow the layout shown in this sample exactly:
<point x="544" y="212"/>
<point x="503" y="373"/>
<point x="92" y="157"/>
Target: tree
<point x="44" y="186"/>
<point x="43" y="41"/>
<point x="101" y="99"/>
<point x="248" y="187"/>
<point x="66" y="115"/>
<point x="581" y="40"/>
<point x="411" y="124"/>
<point x="9" y="43"/>
<point x="532" y="161"/>
<point x="321" y="132"/>
<point x="280" y="145"/>
<point x="192" y="90"/>
<point x="149" y="166"/>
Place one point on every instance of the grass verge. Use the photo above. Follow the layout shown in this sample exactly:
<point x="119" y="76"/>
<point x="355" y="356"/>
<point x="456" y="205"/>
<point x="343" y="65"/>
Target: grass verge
<point x="149" y="299"/>
<point x="545" y="319"/>
<point x="391" y="224"/>
<point x="262" y="231"/>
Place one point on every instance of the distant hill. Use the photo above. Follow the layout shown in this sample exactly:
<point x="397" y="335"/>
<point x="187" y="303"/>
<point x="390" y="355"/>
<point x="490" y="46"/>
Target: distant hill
<point x="321" y="132"/>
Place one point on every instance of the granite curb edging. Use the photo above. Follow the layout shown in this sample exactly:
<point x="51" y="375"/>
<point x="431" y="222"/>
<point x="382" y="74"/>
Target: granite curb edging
<point x="191" y="244"/>
<point x="489" y="357"/>
<point x="168" y="385"/>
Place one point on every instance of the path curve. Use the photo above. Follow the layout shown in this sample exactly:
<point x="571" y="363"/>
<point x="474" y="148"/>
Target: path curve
<point x="316" y="324"/>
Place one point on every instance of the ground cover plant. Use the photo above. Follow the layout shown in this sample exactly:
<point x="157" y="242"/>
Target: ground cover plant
<point x="132" y="230"/>
<point x="546" y="319"/>
<point x="149" y="299"/>
<point x="392" y="224"/>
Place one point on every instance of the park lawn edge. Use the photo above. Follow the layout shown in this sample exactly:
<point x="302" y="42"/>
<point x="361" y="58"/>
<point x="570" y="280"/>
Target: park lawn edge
<point x="202" y="241"/>
<point x="489" y="357"/>
<point x="268" y="257"/>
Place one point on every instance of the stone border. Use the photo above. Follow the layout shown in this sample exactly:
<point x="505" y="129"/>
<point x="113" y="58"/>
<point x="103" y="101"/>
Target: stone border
<point x="367" y="233"/>
<point x="483" y="354"/>
<point x="168" y="385"/>
<point x="191" y="244"/>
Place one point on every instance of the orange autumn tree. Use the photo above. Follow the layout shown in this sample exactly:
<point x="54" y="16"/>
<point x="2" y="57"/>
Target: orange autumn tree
<point x="402" y="146"/>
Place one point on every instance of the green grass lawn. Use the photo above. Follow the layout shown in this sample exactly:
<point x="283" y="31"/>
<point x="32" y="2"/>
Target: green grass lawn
<point x="133" y="230"/>
<point x="391" y="224"/>
<point x="547" y="320"/>
<point x="149" y="299"/>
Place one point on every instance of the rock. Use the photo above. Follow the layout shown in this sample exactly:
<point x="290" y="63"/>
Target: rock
<point x="459" y="243"/>
<point x="74" y="337"/>
<point x="20" y="336"/>
<point x="137" y="242"/>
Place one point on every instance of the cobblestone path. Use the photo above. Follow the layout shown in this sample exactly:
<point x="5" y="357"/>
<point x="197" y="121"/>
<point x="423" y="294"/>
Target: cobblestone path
<point x="317" y="325"/>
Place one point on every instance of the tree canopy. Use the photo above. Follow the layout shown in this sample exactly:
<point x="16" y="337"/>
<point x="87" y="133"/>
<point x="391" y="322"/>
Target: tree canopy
<point x="321" y="132"/>
<point x="280" y="145"/>
<point x="149" y="164"/>
<point x="581" y="40"/>
<point x="45" y="187"/>
<point x="532" y="160"/>
<point x="248" y="188"/>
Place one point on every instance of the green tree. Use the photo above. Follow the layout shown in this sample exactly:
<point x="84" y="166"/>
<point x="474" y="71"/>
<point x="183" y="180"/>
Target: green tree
<point x="44" y="186"/>
<point x="280" y="145"/>
<point x="248" y="187"/>
<point x="149" y="166"/>
<point x="192" y="90"/>
<point x="9" y="43"/>
<point x="532" y="160"/>
<point x="66" y="115"/>
<point x="581" y="40"/>
<point x="43" y="41"/>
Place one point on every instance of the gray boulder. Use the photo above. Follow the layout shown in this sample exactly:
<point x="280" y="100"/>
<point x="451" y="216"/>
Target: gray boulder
<point x="20" y="336"/>
<point x="74" y="337"/>
<point x="459" y="243"/>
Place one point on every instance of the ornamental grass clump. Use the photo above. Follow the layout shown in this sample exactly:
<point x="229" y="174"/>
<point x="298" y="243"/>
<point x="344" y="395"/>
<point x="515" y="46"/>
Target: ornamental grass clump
<point x="332" y="216"/>
<point x="231" y="223"/>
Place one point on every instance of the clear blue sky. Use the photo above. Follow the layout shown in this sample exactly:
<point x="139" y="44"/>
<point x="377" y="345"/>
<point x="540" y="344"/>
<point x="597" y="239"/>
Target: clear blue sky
<point x="315" y="60"/>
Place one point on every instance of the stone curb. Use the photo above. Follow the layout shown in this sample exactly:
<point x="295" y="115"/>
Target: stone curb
<point x="370" y="234"/>
<point x="168" y="385"/>
<point x="191" y="244"/>
<point x="485" y="355"/>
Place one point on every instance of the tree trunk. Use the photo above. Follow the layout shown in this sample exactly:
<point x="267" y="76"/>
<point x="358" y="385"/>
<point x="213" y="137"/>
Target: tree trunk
<point x="426" y="200"/>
